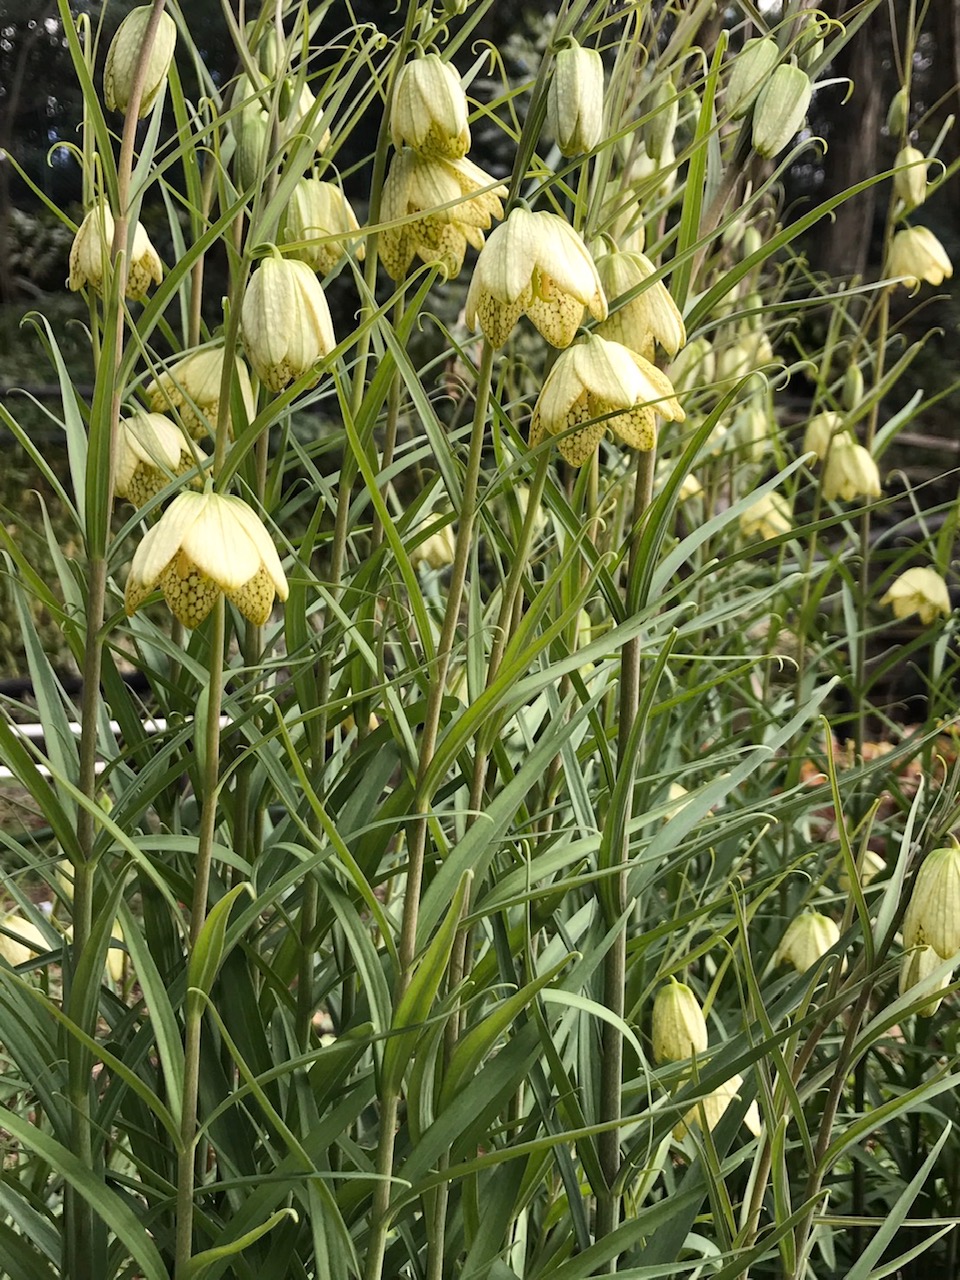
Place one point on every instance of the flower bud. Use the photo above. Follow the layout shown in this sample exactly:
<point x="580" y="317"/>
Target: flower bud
<point x="679" y="1027"/>
<point x="29" y="940"/>
<point x="769" y="517"/>
<point x="806" y="939"/>
<point x="809" y="45"/>
<point x="659" y="130"/>
<point x="90" y="255"/>
<point x="933" y="916"/>
<point x="920" y="590"/>
<point x="821" y="429"/>
<point x="437" y="550"/>
<point x="780" y="110"/>
<point x="871" y="866"/>
<point x="575" y="99"/>
<point x="285" y="322"/>
<point x="751" y="67"/>
<point x="852" y="391"/>
<point x="317" y="225"/>
<point x="251" y="128"/>
<point x="752" y="242"/>
<point x="916" y="254"/>
<point x="917" y="964"/>
<point x="910" y="176"/>
<point x="430" y="109"/>
<point x="850" y="472"/>
<point x="124" y="54"/>
<point x="898" y="113"/>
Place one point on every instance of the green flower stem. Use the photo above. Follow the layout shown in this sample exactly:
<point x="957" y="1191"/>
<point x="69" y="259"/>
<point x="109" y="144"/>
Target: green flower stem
<point x="417" y="839"/>
<point x="186" y="1161"/>
<point x="615" y="963"/>
<point x="79" y="1236"/>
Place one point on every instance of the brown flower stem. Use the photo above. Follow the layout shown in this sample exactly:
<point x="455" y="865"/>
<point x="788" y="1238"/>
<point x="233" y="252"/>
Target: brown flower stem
<point x="615" y="962"/>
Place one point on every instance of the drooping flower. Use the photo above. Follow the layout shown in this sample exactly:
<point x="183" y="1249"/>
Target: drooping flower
<point x="821" y="429"/>
<point x="439" y="207"/>
<point x="575" y="99"/>
<point x="124" y="54"/>
<point x="933" y="915"/>
<point x="285" y="321"/>
<point x="768" y="517"/>
<point x="919" y="590"/>
<point x="535" y="264"/>
<point x="437" y="550"/>
<point x="205" y="544"/>
<point x="191" y="388"/>
<point x="429" y="111"/>
<point x="780" y="109"/>
<point x="713" y="1108"/>
<point x="806" y="939"/>
<point x="751" y="68"/>
<point x="916" y="254"/>
<point x="27" y="943"/>
<point x="151" y="450"/>
<point x="917" y="964"/>
<point x="910" y="176"/>
<point x="597" y="384"/>
<point x="90" y="255"/>
<point x="850" y="472"/>
<point x="650" y="316"/>
<point x="319" y="225"/>
<point x="679" y="1028"/>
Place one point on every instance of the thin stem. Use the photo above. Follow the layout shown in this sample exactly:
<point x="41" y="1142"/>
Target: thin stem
<point x="615" y="963"/>
<point x="389" y="1101"/>
<point x="186" y="1161"/>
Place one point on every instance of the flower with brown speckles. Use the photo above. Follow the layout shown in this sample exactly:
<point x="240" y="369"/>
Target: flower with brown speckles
<point x="598" y="384"/>
<point x="535" y="264"/>
<point x="90" y="255"/>
<point x="151" y="450"/>
<point x="205" y="544"/>
<point x="285" y="321"/>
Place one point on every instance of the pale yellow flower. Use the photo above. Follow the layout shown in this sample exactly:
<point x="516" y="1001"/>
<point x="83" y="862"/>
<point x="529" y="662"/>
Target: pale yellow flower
<point x="713" y="1107"/>
<point x="780" y="109"/>
<point x="124" y="54"/>
<point x="916" y="254"/>
<point x="535" y="264"/>
<point x="439" y="206"/>
<point x="679" y="1027"/>
<point x="917" y="964"/>
<point x="190" y="387"/>
<point x="806" y="939"/>
<point x="910" y="176"/>
<point x="285" y="322"/>
<point x="29" y="940"/>
<point x="592" y="380"/>
<point x="205" y="544"/>
<point x="575" y="99"/>
<point x="319" y="225"/>
<point x="649" y="316"/>
<point x="429" y="111"/>
<point x="850" y="472"/>
<point x="933" y="914"/>
<point x="151" y="450"/>
<point x="90" y="255"/>
<point x="437" y="550"/>
<point x="768" y="517"/>
<point x="821" y="430"/>
<point x="920" y="590"/>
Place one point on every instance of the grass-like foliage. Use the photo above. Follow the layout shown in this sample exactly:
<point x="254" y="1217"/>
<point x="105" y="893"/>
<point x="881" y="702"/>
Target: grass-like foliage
<point x="481" y="843"/>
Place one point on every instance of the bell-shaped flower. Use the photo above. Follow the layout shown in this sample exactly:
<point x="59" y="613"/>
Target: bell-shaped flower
<point x="910" y="176"/>
<point x="437" y="550"/>
<point x="711" y="1110"/>
<point x="933" y="914"/>
<point x="648" y="316"/>
<point x="90" y="255"/>
<point x="535" y="264"/>
<point x="202" y="545"/>
<point x="916" y="254"/>
<point x="780" y="109"/>
<point x="434" y="209"/>
<point x="124" y="54"/>
<point x="919" y="590"/>
<point x="285" y="322"/>
<point x="429" y="111"/>
<point x="319" y="225"/>
<point x="806" y="938"/>
<point x="575" y="99"/>
<point x="597" y="384"/>
<point x="918" y="964"/>
<point x="821" y="430"/>
<point x="151" y="451"/>
<point x="28" y="940"/>
<point x="191" y="388"/>
<point x="679" y="1028"/>
<point x="768" y="517"/>
<point x="850" y="472"/>
<point x="695" y="366"/>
